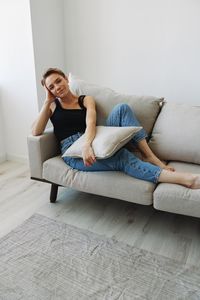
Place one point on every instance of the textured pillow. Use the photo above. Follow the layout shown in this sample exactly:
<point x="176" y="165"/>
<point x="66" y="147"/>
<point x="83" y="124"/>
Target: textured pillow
<point x="176" y="133"/>
<point x="146" y="108"/>
<point x="107" y="141"/>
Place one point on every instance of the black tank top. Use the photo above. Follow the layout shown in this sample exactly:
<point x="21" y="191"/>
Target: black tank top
<point x="67" y="122"/>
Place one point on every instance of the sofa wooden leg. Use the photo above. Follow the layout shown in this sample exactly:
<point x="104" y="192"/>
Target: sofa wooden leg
<point x="53" y="193"/>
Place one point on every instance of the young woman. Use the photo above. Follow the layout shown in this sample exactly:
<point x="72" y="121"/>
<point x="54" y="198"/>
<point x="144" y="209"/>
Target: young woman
<point x="72" y="116"/>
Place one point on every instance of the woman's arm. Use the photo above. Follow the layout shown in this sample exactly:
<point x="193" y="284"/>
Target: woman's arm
<point x="40" y="123"/>
<point x="88" y="154"/>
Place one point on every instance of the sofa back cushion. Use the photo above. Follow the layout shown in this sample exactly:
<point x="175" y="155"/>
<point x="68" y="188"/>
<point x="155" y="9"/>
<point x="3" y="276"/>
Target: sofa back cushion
<point x="146" y="108"/>
<point x="176" y="134"/>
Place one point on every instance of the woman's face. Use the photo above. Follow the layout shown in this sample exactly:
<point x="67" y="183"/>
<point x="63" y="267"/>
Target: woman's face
<point x="57" y="85"/>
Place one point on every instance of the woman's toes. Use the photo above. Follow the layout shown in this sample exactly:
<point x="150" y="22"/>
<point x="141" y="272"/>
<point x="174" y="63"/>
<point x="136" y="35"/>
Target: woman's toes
<point x="169" y="168"/>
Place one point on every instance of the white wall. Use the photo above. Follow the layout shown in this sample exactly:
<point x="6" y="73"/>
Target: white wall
<point x="47" y="18"/>
<point x="32" y="39"/>
<point x="17" y="77"/>
<point x="2" y="141"/>
<point x="136" y="46"/>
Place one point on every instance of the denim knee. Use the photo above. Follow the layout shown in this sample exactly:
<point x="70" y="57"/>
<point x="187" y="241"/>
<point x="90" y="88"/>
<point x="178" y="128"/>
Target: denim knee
<point x="126" y="109"/>
<point x="122" y="107"/>
<point x="123" y="115"/>
<point x="116" y="115"/>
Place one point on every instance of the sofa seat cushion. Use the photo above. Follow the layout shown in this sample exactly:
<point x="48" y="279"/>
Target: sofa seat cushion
<point x="110" y="184"/>
<point x="176" y="198"/>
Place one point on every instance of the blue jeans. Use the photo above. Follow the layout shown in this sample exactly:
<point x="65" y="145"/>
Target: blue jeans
<point x="123" y="160"/>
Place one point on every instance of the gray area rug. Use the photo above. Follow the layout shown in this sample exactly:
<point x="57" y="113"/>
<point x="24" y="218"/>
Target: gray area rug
<point x="46" y="259"/>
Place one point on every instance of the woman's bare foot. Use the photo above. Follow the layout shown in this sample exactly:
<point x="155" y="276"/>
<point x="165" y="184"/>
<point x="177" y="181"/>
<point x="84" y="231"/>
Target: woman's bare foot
<point x="156" y="161"/>
<point x="196" y="182"/>
<point x="148" y="155"/>
<point x="188" y="180"/>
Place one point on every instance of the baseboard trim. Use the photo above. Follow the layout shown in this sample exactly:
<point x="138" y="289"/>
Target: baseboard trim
<point x="22" y="159"/>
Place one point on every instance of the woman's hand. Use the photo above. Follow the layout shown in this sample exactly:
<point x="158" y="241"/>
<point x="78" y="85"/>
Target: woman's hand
<point x="40" y="123"/>
<point x="49" y="96"/>
<point x="88" y="156"/>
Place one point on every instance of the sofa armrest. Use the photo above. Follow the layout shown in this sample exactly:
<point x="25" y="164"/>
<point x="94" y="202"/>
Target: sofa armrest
<point x="41" y="148"/>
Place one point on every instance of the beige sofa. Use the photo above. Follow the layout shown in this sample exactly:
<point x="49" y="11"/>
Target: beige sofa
<point x="173" y="136"/>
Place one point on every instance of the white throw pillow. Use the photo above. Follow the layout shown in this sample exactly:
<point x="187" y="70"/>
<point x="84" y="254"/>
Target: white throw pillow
<point x="146" y="108"/>
<point x="107" y="141"/>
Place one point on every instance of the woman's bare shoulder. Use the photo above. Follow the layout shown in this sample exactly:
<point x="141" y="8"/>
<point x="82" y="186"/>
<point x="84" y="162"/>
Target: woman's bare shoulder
<point x="89" y="101"/>
<point x="52" y="108"/>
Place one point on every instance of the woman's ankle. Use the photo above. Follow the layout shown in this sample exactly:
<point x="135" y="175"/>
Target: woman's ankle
<point x="186" y="179"/>
<point x="196" y="182"/>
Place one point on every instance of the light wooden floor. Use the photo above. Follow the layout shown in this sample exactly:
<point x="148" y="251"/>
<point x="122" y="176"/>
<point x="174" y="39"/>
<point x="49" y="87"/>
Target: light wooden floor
<point x="171" y="235"/>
